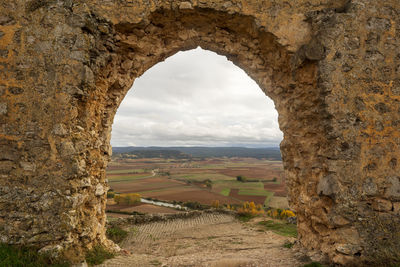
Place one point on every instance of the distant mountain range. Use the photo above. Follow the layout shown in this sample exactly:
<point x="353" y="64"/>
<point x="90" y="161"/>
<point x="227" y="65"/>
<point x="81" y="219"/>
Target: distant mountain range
<point x="272" y="153"/>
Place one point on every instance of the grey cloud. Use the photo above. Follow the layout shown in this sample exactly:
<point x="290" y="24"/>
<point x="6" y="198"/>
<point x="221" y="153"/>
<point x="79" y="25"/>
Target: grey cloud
<point x="196" y="98"/>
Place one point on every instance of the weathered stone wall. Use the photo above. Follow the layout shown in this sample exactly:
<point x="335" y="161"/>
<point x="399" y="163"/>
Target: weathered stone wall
<point x="332" y="68"/>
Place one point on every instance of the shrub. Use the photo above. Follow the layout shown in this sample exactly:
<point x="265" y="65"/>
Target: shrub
<point x="98" y="255"/>
<point x="125" y="212"/>
<point x="241" y="178"/>
<point x="286" y="214"/>
<point x="215" y="204"/>
<point x="208" y="183"/>
<point x="27" y="257"/>
<point x="194" y="205"/>
<point x="127" y="199"/>
<point x="280" y="214"/>
<point x="288" y="244"/>
<point x="249" y="209"/>
<point x="116" y="234"/>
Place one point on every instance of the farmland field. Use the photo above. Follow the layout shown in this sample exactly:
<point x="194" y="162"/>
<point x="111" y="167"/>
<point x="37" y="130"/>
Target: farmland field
<point x="197" y="180"/>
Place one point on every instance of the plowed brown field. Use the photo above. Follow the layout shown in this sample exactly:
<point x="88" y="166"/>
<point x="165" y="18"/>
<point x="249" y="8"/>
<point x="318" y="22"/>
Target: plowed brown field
<point x="278" y="189"/>
<point x="256" y="199"/>
<point x="253" y="173"/>
<point x="148" y="184"/>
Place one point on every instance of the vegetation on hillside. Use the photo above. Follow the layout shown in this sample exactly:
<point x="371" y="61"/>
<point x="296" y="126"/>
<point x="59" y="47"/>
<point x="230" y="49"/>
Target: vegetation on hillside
<point x="166" y="154"/>
<point x="116" y="234"/>
<point x="281" y="228"/>
<point x="98" y="255"/>
<point x="20" y="256"/>
<point x="272" y="153"/>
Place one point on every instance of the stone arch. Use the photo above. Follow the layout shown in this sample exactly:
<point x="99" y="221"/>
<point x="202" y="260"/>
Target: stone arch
<point x="293" y="88"/>
<point x="331" y="68"/>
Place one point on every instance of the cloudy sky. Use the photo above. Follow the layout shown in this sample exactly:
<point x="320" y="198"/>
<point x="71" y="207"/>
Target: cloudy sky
<point x="196" y="98"/>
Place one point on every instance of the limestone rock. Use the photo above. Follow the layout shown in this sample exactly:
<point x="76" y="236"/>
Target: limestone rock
<point x="396" y="208"/>
<point x="59" y="129"/>
<point x="348" y="249"/>
<point x="328" y="186"/>
<point x="67" y="149"/>
<point x="394" y="189"/>
<point x="339" y="220"/>
<point x="369" y="187"/>
<point x="185" y="5"/>
<point x="99" y="190"/>
<point x="52" y="250"/>
<point x="382" y="205"/>
<point x="85" y="182"/>
<point x="3" y="108"/>
<point x="28" y="166"/>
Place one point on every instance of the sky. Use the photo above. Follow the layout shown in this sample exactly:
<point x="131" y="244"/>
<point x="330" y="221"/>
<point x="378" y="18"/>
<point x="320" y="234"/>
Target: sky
<point x="196" y="98"/>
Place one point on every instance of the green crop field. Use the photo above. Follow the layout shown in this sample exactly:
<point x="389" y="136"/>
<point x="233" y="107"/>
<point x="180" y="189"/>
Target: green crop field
<point x="225" y="192"/>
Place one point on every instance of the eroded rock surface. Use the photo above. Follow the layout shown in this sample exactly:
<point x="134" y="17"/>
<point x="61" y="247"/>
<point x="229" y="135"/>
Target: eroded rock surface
<point x="332" y="68"/>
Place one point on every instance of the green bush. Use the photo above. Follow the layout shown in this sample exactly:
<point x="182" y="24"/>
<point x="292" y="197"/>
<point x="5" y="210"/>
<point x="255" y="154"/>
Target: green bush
<point x="288" y="244"/>
<point x="19" y="256"/>
<point x="195" y="205"/>
<point x="98" y="255"/>
<point x="241" y="178"/>
<point x="116" y="234"/>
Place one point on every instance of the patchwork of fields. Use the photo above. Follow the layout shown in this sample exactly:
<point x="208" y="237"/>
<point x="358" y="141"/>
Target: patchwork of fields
<point x="203" y="181"/>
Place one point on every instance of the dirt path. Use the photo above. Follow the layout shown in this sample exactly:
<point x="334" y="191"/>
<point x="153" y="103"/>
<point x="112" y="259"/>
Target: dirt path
<point x="214" y="240"/>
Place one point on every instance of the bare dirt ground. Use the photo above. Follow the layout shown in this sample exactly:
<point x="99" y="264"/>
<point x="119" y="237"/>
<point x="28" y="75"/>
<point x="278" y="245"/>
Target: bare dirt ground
<point x="148" y="208"/>
<point x="212" y="240"/>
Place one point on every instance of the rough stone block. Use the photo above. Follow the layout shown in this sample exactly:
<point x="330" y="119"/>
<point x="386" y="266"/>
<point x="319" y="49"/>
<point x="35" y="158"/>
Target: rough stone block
<point x="3" y="108"/>
<point x="382" y="205"/>
<point x="394" y="189"/>
<point x="99" y="190"/>
<point x="185" y="5"/>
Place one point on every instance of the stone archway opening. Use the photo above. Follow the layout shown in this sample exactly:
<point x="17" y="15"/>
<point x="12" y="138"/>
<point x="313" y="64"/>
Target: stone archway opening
<point x="290" y="81"/>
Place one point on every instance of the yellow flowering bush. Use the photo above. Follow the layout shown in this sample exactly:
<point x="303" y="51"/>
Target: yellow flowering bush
<point x="250" y="209"/>
<point x="280" y="214"/>
<point x="287" y="213"/>
<point x="215" y="204"/>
